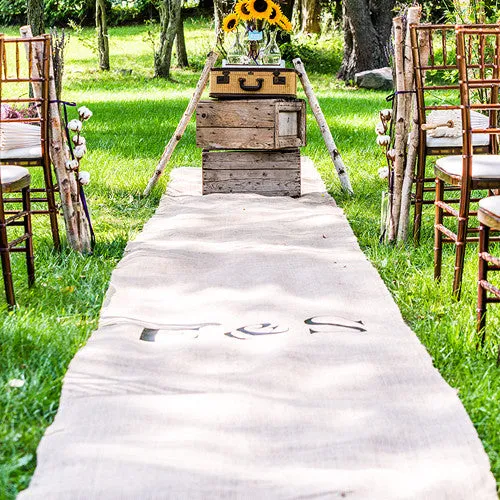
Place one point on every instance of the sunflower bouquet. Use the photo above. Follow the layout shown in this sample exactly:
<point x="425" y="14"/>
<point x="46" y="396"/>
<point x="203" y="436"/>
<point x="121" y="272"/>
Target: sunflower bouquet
<point x="255" y="16"/>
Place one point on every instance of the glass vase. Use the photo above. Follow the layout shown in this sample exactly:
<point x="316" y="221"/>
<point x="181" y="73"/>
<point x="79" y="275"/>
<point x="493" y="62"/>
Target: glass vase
<point x="271" y="53"/>
<point x="236" y="53"/>
<point x="254" y="47"/>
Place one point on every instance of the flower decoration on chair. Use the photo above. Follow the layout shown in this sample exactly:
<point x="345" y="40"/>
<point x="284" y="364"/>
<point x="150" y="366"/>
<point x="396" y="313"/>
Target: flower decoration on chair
<point x="79" y="145"/>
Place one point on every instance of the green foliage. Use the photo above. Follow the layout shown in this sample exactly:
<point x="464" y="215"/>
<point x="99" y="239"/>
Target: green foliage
<point x="323" y="53"/>
<point x="12" y="12"/>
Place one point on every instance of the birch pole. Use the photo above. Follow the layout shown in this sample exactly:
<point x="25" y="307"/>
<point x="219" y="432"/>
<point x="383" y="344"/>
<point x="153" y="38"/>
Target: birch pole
<point x="323" y="126"/>
<point x="413" y="17"/>
<point x="76" y="229"/>
<point x="401" y="130"/>
<point x="181" y="127"/>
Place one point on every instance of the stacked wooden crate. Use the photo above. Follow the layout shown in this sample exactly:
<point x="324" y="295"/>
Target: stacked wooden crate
<point x="251" y="144"/>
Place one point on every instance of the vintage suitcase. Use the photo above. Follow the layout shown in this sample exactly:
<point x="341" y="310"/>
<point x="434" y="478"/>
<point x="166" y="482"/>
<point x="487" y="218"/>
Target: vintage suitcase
<point x="251" y="124"/>
<point x="255" y="81"/>
<point x="269" y="173"/>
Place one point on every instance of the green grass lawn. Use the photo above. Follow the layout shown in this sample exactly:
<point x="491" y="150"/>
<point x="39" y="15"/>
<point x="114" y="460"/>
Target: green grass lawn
<point x="134" y="116"/>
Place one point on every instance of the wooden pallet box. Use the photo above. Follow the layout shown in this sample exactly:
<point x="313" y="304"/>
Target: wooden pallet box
<point x="271" y="173"/>
<point x="255" y="82"/>
<point x="251" y="124"/>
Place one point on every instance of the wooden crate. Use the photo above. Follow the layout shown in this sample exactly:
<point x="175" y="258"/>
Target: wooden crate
<point x="251" y="124"/>
<point x="275" y="173"/>
<point x="257" y="82"/>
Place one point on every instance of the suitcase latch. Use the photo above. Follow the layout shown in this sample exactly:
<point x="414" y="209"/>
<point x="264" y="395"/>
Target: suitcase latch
<point x="224" y="78"/>
<point x="277" y="79"/>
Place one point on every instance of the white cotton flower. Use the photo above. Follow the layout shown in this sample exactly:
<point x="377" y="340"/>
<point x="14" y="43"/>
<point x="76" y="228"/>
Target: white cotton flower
<point x="84" y="113"/>
<point x="380" y="128"/>
<point x="84" y="177"/>
<point x="72" y="165"/>
<point x="79" y="140"/>
<point x="80" y="151"/>
<point x="391" y="154"/>
<point x="16" y="382"/>
<point x="383" y="172"/>
<point x="383" y="140"/>
<point x="75" y="125"/>
<point x="386" y="114"/>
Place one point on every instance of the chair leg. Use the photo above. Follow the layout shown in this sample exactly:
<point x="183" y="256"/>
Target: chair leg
<point x="30" y="259"/>
<point x="6" y="267"/>
<point x="460" y="245"/>
<point x="419" y="196"/>
<point x="484" y="236"/>
<point x="438" y="236"/>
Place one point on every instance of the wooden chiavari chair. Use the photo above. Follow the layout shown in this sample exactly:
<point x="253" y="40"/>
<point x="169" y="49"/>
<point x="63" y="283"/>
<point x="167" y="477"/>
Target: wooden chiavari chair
<point x="15" y="179"/>
<point x="19" y="75"/>
<point x="437" y="94"/>
<point x="478" y="57"/>
<point x="489" y="218"/>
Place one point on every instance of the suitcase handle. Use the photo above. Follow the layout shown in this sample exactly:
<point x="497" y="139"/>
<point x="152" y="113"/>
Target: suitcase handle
<point x="251" y="88"/>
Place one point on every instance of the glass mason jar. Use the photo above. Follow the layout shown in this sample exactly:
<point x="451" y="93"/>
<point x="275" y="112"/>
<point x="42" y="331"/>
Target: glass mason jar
<point x="236" y="53"/>
<point x="254" y="47"/>
<point x="271" y="53"/>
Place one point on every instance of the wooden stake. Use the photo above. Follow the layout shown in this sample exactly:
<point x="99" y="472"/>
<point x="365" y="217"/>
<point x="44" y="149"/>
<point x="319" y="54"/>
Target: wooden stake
<point x="323" y="126"/>
<point x="179" y="131"/>
<point x="76" y="228"/>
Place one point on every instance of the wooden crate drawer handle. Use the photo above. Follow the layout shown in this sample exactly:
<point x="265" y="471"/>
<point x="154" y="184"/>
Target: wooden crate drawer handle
<point x="251" y="88"/>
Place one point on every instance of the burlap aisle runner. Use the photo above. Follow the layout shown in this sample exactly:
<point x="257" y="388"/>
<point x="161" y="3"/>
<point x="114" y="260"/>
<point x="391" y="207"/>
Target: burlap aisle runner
<point x="248" y="350"/>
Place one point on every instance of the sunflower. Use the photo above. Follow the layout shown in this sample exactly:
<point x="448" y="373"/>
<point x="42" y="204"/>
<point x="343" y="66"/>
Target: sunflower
<point x="241" y="9"/>
<point x="260" y="9"/>
<point x="230" y="22"/>
<point x="284" y="23"/>
<point x="275" y="14"/>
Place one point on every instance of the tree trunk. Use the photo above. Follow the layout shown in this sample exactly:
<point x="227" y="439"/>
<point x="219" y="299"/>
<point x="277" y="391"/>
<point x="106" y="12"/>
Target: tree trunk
<point x="102" y="34"/>
<point x="182" y="58"/>
<point x="170" y="11"/>
<point x="288" y="9"/>
<point x="221" y="9"/>
<point x="367" y="33"/>
<point x="35" y="16"/>
<point x="311" y="11"/>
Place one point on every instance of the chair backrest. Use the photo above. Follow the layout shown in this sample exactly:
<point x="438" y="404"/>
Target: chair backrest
<point x="24" y="91"/>
<point x="436" y="69"/>
<point x="478" y="57"/>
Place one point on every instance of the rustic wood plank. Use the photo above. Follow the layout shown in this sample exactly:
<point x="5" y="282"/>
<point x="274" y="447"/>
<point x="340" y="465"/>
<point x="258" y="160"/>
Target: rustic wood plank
<point x="239" y="114"/>
<point x="235" y="138"/>
<point x="248" y="160"/>
<point x="267" y="187"/>
<point x="244" y="175"/>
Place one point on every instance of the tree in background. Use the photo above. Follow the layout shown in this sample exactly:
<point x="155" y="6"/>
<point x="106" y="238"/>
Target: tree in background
<point x="307" y="14"/>
<point x="170" y="11"/>
<point x="35" y="17"/>
<point x="367" y="32"/>
<point x="182" y="58"/>
<point x="102" y="34"/>
<point x="221" y="9"/>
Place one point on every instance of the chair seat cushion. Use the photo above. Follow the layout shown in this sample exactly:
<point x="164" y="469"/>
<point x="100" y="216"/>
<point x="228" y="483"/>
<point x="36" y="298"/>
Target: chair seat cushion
<point x="14" y="178"/>
<point x="31" y="153"/>
<point x="484" y="167"/>
<point x="456" y="142"/>
<point x="489" y="211"/>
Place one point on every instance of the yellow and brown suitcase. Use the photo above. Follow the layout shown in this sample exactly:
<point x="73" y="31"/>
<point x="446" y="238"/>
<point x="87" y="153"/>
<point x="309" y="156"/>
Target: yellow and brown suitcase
<point x="259" y="82"/>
